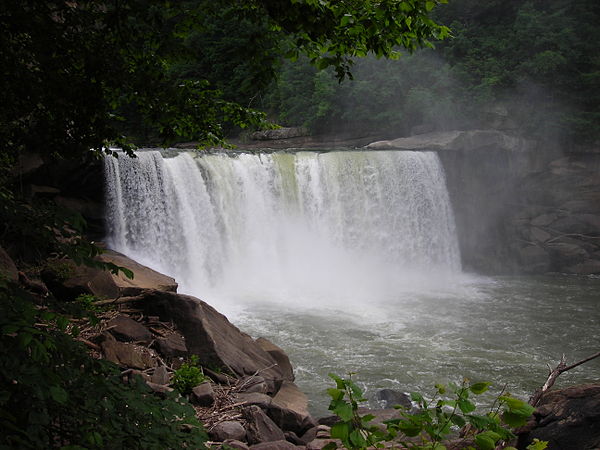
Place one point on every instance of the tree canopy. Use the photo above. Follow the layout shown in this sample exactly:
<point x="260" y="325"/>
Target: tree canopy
<point x="79" y="75"/>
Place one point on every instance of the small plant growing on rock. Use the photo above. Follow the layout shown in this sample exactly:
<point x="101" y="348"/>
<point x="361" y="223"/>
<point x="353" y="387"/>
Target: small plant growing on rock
<point x="188" y="376"/>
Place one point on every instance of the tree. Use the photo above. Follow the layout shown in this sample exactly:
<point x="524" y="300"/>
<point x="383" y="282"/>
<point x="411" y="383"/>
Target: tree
<point x="74" y="72"/>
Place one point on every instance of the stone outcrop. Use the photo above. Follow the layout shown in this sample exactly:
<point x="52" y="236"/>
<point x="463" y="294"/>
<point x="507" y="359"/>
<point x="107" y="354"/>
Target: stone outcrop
<point x="68" y="280"/>
<point x="279" y="133"/>
<point x="569" y="419"/>
<point x="211" y="336"/>
<point x="455" y="141"/>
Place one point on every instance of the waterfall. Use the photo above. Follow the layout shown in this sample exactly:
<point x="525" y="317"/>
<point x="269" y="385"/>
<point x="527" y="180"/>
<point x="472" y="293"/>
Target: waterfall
<point x="288" y="227"/>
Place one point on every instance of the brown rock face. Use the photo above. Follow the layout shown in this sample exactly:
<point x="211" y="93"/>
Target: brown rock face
<point x="212" y="337"/>
<point x="128" y="330"/>
<point x="569" y="419"/>
<point x="283" y="361"/>
<point x="289" y="409"/>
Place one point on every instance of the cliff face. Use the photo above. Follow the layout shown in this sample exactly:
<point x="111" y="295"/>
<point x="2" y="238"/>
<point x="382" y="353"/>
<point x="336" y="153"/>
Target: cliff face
<point x="519" y="207"/>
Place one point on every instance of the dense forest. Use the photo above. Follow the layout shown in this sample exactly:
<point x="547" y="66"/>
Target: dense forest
<point x="529" y="66"/>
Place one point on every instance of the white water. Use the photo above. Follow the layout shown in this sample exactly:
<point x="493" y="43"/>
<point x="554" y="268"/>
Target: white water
<point x="311" y="229"/>
<point x="349" y="261"/>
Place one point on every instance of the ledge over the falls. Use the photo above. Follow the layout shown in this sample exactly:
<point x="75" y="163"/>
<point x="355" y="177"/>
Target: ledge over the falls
<point x="455" y="140"/>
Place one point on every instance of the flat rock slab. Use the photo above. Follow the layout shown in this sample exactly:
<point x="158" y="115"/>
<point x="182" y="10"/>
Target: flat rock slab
<point x="128" y="330"/>
<point x="454" y="140"/>
<point x="144" y="277"/>
<point x="289" y="409"/>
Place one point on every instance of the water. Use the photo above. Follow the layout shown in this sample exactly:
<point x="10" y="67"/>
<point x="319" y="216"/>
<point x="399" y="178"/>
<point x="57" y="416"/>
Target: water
<point x="349" y="261"/>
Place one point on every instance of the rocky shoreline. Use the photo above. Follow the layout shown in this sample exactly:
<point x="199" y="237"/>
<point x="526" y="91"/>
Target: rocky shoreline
<point x="249" y="399"/>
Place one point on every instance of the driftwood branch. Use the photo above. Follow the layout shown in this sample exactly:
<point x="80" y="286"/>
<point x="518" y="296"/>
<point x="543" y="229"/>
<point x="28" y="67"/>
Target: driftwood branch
<point x="554" y="374"/>
<point x="117" y="301"/>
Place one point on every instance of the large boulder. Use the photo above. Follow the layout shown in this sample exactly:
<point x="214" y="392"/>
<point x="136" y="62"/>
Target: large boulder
<point x="144" y="277"/>
<point x="289" y="409"/>
<point x="569" y="419"/>
<point x="277" y="353"/>
<point x="211" y="336"/>
<point x="67" y="280"/>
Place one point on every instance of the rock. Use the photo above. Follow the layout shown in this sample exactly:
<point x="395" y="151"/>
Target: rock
<point x="318" y="444"/>
<point x="569" y="419"/>
<point x="290" y="436"/>
<point x="160" y="389"/>
<point x="228" y="430"/>
<point x="277" y="353"/>
<point x="391" y="398"/>
<point x="260" y="427"/>
<point x="172" y="346"/>
<point x="254" y="398"/>
<point x="7" y="266"/>
<point x="161" y="376"/>
<point x="235" y="444"/>
<point x="318" y="432"/>
<point x="254" y="384"/>
<point x="279" y="133"/>
<point x="566" y="253"/>
<point x="211" y="336"/>
<point x="381" y="415"/>
<point x="455" y="141"/>
<point x="125" y="354"/>
<point x="289" y="409"/>
<point x="128" y="330"/>
<point x="534" y="259"/>
<point x="144" y="277"/>
<point x="66" y="280"/>
<point x="544" y="220"/>
<point x="275" y="445"/>
<point x="539" y="235"/>
<point x="203" y="395"/>
<point x="589" y="267"/>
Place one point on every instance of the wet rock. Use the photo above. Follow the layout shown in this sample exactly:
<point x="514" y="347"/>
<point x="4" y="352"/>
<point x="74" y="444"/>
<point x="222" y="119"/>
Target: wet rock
<point x="203" y="395"/>
<point x="569" y="419"/>
<point x="289" y="409"/>
<point x="128" y="330"/>
<point x="318" y="432"/>
<point x="172" y="346"/>
<point x="290" y="436"/>
<point x="260" y="427"/>
<point x="544" y="220"/>
<point x="391" y="398"/>
<point x="538" y="235"/>
<point x="277" y="353"/>
<point x="318" y="444"/>
<point x="228" y="430"/>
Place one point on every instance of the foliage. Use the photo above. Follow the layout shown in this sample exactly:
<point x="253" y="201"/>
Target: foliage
<point x="53" y="395"/>
<point x="188" y="376"/>
<point x="436" y="419"/>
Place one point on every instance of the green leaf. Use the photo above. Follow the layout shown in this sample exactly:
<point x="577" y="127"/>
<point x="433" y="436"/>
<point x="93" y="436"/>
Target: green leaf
<point x="343" y="411"/>
<point x="487" y="440"/>
<point x="466" y="406"/>
<point x="340" y="430"/>
<point x="513" y="420"/>
<point x="479" y="422"/>
<point x="330" y="446"/>
<point x="479" y="388"/>
<point x="518" y="407"/>
<point x="58" y="394"/>
<point x="459" y="421"/>
<point x="357" y="438"/>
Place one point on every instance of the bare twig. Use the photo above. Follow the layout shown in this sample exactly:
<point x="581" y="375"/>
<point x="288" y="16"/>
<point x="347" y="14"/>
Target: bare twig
<point x="554" y="374"/>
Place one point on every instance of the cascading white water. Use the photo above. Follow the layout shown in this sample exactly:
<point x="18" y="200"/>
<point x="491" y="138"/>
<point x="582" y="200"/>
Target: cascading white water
<point x="328" y="228"/>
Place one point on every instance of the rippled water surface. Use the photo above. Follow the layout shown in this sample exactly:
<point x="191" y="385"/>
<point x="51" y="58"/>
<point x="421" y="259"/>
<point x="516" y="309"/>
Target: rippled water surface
<point x="504" y="330"/>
